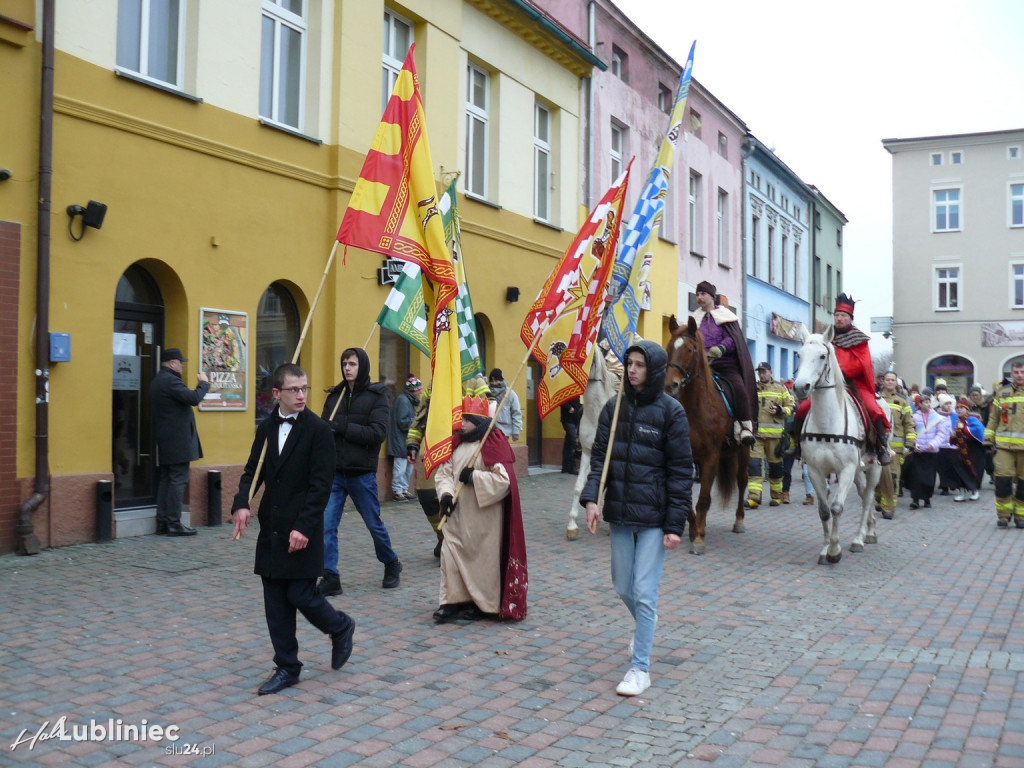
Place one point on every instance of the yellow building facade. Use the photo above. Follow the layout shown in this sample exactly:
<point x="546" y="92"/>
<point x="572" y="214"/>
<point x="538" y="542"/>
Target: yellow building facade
<point x="223" y="197"/>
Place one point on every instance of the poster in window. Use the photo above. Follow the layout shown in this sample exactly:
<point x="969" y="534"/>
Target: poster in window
<point x="223" y="356"/>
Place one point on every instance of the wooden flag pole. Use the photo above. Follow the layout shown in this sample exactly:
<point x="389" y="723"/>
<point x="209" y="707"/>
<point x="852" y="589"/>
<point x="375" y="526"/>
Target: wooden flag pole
<point x="608" y="450"/>
<point x="295" y="359"/>
<point x="508" y="392"/>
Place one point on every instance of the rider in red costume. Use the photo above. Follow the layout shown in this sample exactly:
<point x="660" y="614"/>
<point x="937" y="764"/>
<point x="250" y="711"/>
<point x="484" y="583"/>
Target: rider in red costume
<point x="854" y="357"/>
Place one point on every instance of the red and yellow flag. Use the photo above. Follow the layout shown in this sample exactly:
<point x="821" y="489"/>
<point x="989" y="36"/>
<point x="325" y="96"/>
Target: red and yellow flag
<point x="568" y="309"/>
<point x="395" y="211"/>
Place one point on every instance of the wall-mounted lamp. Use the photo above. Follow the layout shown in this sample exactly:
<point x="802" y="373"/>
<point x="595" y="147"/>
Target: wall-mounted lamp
<point x="4" y="174"/>
<point x="511" y="294"/>
<point x="92" y="216"/>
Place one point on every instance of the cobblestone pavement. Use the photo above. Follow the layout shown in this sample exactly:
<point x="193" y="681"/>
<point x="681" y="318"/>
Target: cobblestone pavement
<point x="909" y="654"/>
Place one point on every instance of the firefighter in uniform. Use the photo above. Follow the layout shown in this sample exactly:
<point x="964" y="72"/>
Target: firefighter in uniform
<point x="775" y="405"/>
<point x="1005" y="432"/>
<point x="902" y="440"/>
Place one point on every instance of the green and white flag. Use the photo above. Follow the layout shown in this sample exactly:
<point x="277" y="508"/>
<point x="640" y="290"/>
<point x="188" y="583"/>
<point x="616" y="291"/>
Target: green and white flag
<point x="405" y="312"/>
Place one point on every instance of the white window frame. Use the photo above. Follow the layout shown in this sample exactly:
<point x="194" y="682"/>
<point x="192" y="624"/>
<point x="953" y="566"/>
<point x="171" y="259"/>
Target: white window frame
<point x="617" y="149"/>
<point x="783" y="250"/>
<point x="664" y="98"/>
<point x="542" y="153"/>
<point x="945" y="278"/>
<point x="282" y="18"/>
<point x="1016" y="203"/>
<point x="956" y="157"/>
<point x="1017" y="284"/>
<point x="392" y="60"/>
<point x="935" y="159"/>
<point x="946" y="205"/>
<point x="695" y="204"/>
<point x="770" y="240"/>
<point x="722" y="227"/>
<point x="477" y="114"/>
<point x="1013" y="152"/>
<point x="755" y="235"/>
<point x="143" y="34"/>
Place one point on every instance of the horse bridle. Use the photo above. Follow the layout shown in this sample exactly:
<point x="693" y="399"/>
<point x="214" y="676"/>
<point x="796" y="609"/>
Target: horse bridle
<point x="688" y="375"/>
<point x="826" y="371"/>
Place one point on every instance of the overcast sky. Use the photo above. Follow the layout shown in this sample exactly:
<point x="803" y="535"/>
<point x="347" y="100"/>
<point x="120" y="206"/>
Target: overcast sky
<point x="824" y="82"/>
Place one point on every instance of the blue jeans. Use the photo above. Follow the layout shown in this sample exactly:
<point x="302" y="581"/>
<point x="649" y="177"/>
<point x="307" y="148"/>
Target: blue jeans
<point x="363" y="490"/>
<point x="637" y="557"/>
<point x="400" y="475"/>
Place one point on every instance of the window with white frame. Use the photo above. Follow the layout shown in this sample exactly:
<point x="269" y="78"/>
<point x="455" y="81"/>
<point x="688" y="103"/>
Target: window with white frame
<point x="541" y="162"/>
<point x="620" y="64"/>
<point x="282" y="62"/>
<point x="755" y="236"/>
<point x="617" y="149"/>
<point x="946" y="203"/>
<point x="784" y="250"/>
<point x="936" y="158"/>
<point x="664" y="98"/>
<point x="956" y="158"/>
<point x="722" y="227"/>
<point x="150" y="39"/>
<point x="1017" y="285"/>
<point x="772" y="270"/>
<point x="947" y="288"/>
<point x="1013" y="153"/>
<point x="1017" y="205"/>
<point x="477" y="120"/>
<point x="398" y="36"/>
<point x="695" y="204"/>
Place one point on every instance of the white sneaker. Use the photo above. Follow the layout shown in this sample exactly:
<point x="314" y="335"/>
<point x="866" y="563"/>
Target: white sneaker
<point x="634" y="683"/>
<point x="959" y="495"/>
<point x="975" y="495"/>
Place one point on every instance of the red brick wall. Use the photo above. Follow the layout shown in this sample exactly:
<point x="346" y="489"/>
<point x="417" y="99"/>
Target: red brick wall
<point x="10" y="265"/>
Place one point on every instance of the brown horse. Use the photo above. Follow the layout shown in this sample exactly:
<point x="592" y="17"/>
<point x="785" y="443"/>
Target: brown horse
<point x="689" y="381"/>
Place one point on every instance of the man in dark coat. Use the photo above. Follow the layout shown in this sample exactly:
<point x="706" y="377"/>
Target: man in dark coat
<point x="358" y="413"/>
<point x="177" y="440"/>
<point x="648" y="497"/>
<point x="296" y="475"/>
<point x="570" y="414"/>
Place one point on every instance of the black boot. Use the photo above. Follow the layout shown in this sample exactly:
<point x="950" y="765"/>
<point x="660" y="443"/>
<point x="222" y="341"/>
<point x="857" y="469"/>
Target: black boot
<point x="794" y="446"/>
<point x="881" y="444"/>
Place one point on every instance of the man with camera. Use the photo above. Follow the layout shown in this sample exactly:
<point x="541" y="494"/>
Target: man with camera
<point x="775" y="405"/>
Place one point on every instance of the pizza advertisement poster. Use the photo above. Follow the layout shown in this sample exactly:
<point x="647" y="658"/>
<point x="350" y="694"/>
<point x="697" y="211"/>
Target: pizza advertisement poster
<point x="224" y="357"/>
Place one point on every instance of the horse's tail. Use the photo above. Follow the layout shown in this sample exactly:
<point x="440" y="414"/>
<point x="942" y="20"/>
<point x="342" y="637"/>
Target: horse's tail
<point x="727" y="474"/>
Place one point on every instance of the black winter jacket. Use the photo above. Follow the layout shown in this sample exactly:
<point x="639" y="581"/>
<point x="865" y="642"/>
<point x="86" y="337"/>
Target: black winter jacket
<point x="361" y="422"/>
<point x="650" y="479"/>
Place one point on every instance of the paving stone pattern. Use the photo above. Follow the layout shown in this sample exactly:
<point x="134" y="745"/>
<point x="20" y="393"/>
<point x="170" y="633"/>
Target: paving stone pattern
<point x="909" y="654"/>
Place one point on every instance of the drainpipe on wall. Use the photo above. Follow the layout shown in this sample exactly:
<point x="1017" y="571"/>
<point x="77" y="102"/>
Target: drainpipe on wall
<point x="28" y="542"/>
<point x="588" y="135"/>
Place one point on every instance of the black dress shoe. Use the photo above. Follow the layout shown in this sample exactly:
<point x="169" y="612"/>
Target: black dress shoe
<point x="177" y="529"/>
<point x="446" y="613"/>
<point x="341" y="645"/>
<point x="161" y="527"/>
<point x="471" y="613"/>
<point x="278" y="681"/>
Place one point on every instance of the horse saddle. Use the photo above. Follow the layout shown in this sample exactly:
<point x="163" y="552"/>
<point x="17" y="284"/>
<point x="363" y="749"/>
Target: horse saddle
<point x="725" y="390"/>
<point x="865" y="417"/>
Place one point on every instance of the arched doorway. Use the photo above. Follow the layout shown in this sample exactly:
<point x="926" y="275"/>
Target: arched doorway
<point x="277" y="335"/>
<point x="138" y="337"/>
<point x="957" y="371"/>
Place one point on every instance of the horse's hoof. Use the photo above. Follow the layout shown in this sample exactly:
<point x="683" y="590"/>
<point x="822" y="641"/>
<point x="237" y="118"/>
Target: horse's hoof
<point x="739" y="528"/>
<point x="833" y="559"/>
<point x="871" y="538"/>
<point x="855" y="547"/>
<point x="572" y="533"/>
<point x="696" y="549"/>
<point x="822" y="560"/>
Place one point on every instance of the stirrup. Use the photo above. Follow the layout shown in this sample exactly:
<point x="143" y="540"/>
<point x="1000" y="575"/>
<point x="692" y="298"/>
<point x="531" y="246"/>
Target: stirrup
<point x="747" y="437"/>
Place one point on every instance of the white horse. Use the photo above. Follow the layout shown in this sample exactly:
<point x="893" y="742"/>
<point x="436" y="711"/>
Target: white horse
<point x="833" y="442"/>
<point x="602" y="385"/>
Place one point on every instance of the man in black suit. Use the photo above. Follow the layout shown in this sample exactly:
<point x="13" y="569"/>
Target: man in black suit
<point x="297" y="472"/>
<point x="177" y="441"/>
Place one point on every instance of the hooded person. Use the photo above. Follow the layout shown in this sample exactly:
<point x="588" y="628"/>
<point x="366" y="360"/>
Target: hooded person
<point x="357" y="411"/>
<point x="649" y="495"/>
<point x="726" y="349"/>
<point x="854" y="358"/>
<point x="483" y="552"/>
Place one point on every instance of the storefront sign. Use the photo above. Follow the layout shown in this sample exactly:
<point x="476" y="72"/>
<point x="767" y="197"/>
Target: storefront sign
<point x="223" y="356"/>
<point x="786" y="329"/>
<point x="127" y="372"/>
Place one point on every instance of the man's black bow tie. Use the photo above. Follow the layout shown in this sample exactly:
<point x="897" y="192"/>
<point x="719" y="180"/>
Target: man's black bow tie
<point x="284" y="419"/>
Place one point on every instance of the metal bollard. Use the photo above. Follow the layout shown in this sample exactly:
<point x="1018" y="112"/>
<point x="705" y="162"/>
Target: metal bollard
<point x="213" y="497"/>
<point x="104" y="510"/>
